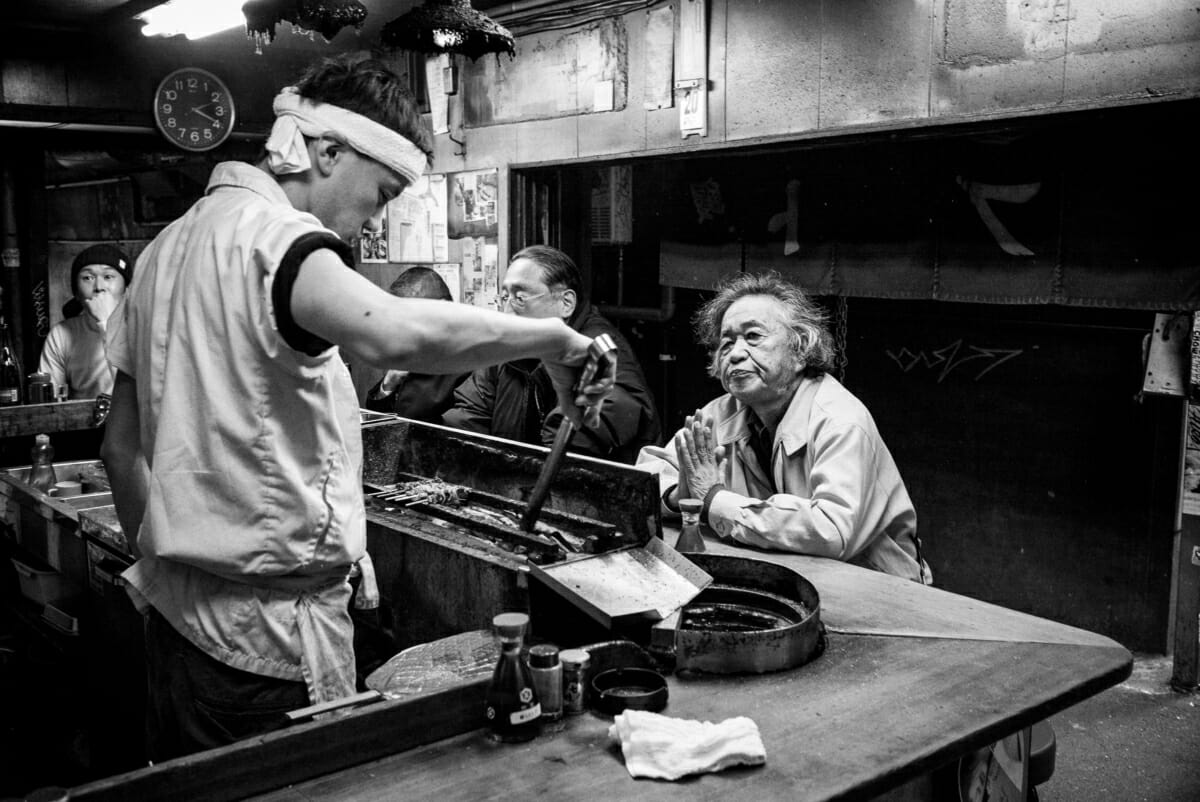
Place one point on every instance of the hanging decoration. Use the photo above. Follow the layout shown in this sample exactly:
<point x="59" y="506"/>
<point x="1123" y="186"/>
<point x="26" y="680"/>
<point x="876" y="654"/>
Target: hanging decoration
<point x="326" y="17"/>
<point x="447" y="26"/>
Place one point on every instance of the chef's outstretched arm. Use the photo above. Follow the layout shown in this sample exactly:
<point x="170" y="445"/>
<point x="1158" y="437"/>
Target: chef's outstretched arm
<point x="337" y="304"/>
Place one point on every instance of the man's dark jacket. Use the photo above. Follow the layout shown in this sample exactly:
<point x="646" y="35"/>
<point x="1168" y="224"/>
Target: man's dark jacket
<point x="419" y="396"/>
<point x="516" y="400"/>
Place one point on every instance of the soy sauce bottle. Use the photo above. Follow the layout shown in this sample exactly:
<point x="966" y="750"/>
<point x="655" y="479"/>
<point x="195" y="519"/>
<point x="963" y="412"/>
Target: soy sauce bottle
<point x="513" y="712"/>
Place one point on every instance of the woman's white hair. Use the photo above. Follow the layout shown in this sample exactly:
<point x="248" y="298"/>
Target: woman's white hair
<point x="808" y="322"/>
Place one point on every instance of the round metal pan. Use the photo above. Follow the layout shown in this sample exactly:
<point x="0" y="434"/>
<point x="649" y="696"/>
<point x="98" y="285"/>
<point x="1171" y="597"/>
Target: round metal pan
<point x="755" y="618"/>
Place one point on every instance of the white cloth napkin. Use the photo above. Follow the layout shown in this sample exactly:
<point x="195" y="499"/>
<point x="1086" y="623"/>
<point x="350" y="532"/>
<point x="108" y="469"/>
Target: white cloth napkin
<point x="669" y="748"/>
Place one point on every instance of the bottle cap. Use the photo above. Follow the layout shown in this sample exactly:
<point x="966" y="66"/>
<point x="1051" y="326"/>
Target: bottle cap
<point x="575" y="657"/>
<point x="510" y="625"/>
<point x="691" y="505"/>
<point x="544" y="655"/>
<point x="42" y="439"/>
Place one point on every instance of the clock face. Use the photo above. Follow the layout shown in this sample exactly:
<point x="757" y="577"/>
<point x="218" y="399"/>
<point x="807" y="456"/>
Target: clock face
<point x="194" y="109"/>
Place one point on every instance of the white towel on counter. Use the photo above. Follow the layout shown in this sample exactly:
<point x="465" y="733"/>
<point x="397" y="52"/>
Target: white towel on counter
<point x="669" y="748"/>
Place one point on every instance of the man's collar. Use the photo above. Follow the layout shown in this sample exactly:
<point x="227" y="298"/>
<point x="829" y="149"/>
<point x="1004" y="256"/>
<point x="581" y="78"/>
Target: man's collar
<point x="247" y="176"/>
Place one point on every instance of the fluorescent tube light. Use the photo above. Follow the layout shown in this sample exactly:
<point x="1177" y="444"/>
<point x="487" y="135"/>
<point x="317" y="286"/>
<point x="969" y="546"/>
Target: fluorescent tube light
<point x="192" y="18"/>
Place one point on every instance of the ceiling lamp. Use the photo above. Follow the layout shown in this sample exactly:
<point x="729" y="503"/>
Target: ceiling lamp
<point x="447" y="26"/>
<point x="194" y="19"/>
<point x="326" y="17"/>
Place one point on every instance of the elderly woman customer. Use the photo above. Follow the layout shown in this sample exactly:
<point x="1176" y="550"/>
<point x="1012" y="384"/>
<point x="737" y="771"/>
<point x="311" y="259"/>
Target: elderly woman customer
<point x="788" y="459"/>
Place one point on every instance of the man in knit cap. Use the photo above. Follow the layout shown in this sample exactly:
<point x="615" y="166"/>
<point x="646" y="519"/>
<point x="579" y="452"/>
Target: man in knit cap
<point x="73" y="354"/>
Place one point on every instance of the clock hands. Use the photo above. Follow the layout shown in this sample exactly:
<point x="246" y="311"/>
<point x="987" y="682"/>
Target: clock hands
<point x="209" y="117"/>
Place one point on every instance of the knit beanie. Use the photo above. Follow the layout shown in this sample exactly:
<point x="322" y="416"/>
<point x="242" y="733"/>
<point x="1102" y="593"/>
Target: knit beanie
<point x="102" y="254"/>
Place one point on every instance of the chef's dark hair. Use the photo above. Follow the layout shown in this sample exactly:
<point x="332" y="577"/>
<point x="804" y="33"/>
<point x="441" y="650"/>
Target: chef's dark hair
<point x="421" y="282"/>
<point x="369" y="88"/>
<point x="558" y="269"/>
<point x="808" y="322"/>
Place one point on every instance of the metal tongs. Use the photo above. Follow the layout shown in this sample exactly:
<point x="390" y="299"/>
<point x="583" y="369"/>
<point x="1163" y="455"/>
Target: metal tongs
<point x="602" y="350"/>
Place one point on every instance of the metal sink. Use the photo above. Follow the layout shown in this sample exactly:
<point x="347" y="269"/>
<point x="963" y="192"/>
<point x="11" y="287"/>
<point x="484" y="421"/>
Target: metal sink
<point x="87" y="501"/>
<point x="90" y="472"/>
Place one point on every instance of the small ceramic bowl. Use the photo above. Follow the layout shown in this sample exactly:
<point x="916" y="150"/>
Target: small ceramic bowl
<point x="620" y="689"/>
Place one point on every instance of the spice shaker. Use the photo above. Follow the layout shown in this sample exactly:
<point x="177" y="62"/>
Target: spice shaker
<point x="546" y="669"/>
<point x="574" y="667"/>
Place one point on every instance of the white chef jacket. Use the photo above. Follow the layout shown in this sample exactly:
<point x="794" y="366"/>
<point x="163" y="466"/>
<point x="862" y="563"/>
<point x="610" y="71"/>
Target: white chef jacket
<point x="255" y="510"/>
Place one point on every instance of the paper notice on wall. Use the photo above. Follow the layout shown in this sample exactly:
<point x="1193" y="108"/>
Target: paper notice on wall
<point x="602" y="96"/>
<point x="691" y="81"/>
<point x="480" y="265"/>
<point x="474" y="203"/>
<point x="438" y="220"/>
<point x="472" y="273"/>
<point x="1194" y="380"/>
<point x="439" y="103"/>
<point x="416" y="223"/>
<point x="491" y="280"/>
<point x="372" y="239"/>
<point x="1191" y="464"/>
<point x="452" y="275"/>
<point x="660" y="58"/>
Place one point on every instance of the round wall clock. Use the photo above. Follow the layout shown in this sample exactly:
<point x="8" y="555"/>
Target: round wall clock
<point x="194" y="109"/>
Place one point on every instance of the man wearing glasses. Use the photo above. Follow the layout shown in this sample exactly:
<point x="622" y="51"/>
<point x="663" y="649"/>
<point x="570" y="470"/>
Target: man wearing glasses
<point x="516" y="401"/>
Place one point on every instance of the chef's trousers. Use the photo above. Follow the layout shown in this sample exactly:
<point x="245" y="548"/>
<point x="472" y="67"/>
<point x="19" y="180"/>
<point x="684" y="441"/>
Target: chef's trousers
<point x="195" y="702"/>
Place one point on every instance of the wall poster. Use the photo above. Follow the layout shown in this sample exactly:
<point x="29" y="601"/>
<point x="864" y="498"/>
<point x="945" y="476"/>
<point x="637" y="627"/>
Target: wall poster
<point x="474" y="199"/>
<point x="1191" y="470"/>
<point x="448" y="221"/>
<point x="452" y="275"/>
<point x="373" y="240"/>
<point x="416" y="222"/>
<point x="472" y="226"/>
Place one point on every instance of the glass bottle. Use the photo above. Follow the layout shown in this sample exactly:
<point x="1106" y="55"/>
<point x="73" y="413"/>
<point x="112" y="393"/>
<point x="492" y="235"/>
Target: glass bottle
<point x="10" y="369"/>
<point x="513" y="711"/>
<point x="574" y="668"/>
<point x="689" y="535"/>
<point x="41" y="472"/>
<point x="547" y="679"/>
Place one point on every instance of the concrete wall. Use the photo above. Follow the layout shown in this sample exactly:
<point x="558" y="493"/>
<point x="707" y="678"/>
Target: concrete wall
<point x="788" y="68"/>
<point x="781" y="70"/>
<point x="776" y="68"/>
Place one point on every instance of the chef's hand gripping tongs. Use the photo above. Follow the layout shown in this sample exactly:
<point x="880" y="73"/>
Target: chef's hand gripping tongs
<point x="602" y="351"/>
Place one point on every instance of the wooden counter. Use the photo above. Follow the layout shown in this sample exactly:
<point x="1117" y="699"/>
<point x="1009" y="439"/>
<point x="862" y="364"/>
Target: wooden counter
<point x="912" y="678"/>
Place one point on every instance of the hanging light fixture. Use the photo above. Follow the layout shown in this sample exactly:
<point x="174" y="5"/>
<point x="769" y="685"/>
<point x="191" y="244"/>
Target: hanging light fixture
<point x="194" y="19"/>
<point x="326" y="17"/>
<point x="447" y="26"/>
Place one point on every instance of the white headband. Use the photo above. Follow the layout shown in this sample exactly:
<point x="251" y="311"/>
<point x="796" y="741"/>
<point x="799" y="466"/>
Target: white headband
<point x="297" y="117"/>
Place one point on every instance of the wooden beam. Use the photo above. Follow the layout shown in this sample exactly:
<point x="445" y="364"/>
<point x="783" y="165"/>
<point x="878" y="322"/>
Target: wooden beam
<point x="66" y="416"/>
